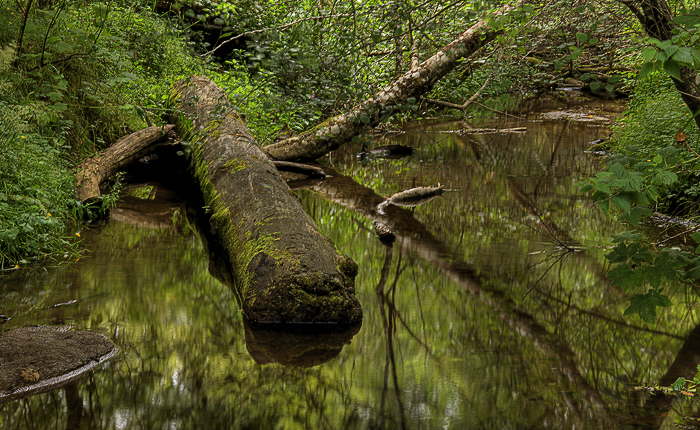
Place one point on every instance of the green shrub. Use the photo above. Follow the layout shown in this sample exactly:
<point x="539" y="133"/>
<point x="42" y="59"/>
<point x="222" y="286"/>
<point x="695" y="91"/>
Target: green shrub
<point x="36" y="193"/>
<point x="657" y="122"/>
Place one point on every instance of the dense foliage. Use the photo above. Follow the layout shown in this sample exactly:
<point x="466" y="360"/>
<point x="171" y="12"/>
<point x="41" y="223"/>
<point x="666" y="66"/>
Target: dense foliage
<point x="75" y="76"/>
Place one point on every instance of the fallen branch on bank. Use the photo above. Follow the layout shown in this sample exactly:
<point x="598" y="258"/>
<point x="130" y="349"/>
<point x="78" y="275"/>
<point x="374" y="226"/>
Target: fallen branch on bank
<point x="93" y="171"/>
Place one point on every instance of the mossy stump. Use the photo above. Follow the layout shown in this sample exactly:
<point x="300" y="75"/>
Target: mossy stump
<point x="285" y="271"/>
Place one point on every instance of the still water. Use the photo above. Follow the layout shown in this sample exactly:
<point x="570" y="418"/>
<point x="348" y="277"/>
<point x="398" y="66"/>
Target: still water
<point x="492" y="309"/>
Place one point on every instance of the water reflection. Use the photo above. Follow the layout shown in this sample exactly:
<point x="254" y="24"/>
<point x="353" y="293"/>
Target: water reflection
<point x="490" y="310"/>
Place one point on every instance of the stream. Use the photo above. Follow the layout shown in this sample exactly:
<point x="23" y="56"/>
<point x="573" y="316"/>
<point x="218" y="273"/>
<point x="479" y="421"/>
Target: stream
<point x="491" y="310"/>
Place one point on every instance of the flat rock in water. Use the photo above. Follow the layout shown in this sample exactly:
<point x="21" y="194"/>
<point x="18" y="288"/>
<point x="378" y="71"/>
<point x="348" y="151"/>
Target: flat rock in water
<point x="39" y="359"/>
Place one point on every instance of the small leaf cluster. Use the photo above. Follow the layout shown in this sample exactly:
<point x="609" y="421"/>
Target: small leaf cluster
<point x="679" y="52"/>
<point x="645" y="271"/>
<point x="631" y="190"/>
<point x="641" y="268"/>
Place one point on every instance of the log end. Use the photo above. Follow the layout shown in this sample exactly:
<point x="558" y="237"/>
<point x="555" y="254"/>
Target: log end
<point x="306" y="298"/>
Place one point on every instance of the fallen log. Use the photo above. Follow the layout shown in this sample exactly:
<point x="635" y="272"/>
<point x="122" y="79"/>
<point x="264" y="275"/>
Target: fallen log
<point x="340" y="129"/>
<point x="285" y="271"/>
<point x="93" y="171"/>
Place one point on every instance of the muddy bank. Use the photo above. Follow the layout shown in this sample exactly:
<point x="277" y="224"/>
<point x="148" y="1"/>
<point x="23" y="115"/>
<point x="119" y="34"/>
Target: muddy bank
<point x="38" y="359"/>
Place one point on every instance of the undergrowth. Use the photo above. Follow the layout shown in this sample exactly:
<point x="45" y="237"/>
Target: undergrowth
<point x="36" y="189"/>
<point x="658" y="124"/>
<point x="87" y="74"/>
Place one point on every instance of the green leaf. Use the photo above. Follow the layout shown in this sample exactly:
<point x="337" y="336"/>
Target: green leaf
<point x="671" y="50"/>
<point x="695" y="52"/>
<point x="688" y="20"/>
<point x="648" y="53"/>
<point x="622" y="203"/>
<point x="647" y="69"/>
<point x="645" y="305"/>
<point x="679" y="384"/>
<point x="683" y="56"/>
<point x="665" y="177"/>
<point x="637" y="214"/>
<point x="673" y="69"/>
<point x="694" y="272"/>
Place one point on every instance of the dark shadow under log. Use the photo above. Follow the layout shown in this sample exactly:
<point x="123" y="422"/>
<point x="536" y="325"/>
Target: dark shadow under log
<point x="285" y="271"/>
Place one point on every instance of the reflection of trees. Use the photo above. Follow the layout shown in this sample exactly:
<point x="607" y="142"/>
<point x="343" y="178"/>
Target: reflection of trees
<point x="388" y="315"/>
<point x="413" y="236"/>
<point x="184" y="360"/>
<point x="547" y="226"/>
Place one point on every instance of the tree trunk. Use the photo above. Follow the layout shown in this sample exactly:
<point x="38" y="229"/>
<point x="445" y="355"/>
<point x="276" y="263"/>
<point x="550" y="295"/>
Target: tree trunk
<point x="657" y="19"/>
<point x="285" y="271"/>
<point x="94" y="170"/>
<point x="414" y="83"/>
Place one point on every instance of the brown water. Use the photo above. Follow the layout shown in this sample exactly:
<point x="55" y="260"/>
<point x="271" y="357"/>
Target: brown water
<point x="478" y="317"/>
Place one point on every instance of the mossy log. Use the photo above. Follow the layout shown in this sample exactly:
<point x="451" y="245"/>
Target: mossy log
<point x="93" y="171"/>
<point x="285" y="271"/>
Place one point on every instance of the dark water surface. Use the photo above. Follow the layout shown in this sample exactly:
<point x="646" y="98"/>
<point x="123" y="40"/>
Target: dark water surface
<point x="476" y="318"/>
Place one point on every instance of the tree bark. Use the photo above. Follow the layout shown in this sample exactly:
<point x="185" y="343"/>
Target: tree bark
<point x="285" y="271"/>
<point x="657" y="19"/>
<point x="412" y="84"/>
<point x="93" y="171"/>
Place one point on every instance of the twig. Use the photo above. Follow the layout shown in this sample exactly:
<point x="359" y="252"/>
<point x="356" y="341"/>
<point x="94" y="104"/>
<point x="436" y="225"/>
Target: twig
<point x="464" y="105"/>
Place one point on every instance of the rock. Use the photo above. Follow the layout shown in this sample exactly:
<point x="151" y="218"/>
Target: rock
<point x="38" y="359"/>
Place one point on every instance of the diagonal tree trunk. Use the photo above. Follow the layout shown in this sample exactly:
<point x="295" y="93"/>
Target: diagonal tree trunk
<point x="340" y="129"/>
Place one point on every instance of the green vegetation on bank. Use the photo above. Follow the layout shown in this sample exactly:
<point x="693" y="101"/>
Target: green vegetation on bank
<point x="86" y="75"/>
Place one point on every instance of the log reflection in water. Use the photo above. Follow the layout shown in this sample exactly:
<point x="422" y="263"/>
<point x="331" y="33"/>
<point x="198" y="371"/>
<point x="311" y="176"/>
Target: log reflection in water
<point x="295" y="348"/>
<point x="413" y="236"/>
<point x="655" y="410"/>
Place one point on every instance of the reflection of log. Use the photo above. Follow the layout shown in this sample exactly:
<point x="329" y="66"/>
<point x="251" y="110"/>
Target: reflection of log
<point x="93" y="171"/>
<point x="414" y="83"/>
<point x="39" y="359"/>
<point x="413" y="235"/>
<point x="553" y="231"/>
<point x="302" y="349"/>
<point x="155" y="214"/>
<point x="286" y="272"/>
